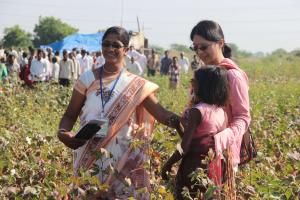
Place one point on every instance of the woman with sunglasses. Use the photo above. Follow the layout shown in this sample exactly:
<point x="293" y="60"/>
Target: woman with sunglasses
<point x="127" y="106"/>
<point x="209" y="44"/>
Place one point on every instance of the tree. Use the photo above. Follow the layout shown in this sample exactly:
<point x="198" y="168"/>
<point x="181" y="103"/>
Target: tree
<point x="180" y="47"/>
<point x="157" y="49"/>
<point x="51" y="29"/>
<point x="16" y="37"/>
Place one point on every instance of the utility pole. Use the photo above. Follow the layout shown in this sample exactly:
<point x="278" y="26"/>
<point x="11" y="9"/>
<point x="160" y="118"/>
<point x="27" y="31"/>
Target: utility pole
<point x="122" y="9"/>
<point x="138" y="23"/>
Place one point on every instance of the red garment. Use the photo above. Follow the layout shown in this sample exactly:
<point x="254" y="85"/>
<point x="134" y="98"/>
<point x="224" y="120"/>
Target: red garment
<point x="26" y="75"/>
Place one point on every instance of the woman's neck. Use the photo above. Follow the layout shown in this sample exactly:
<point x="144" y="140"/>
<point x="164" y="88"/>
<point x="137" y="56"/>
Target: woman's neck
<point x="112" y="69"/>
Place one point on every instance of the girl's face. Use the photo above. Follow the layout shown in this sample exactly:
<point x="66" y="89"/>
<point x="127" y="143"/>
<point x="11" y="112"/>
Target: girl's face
<point x="209" y="52"/>
<point x="113" y="49"/>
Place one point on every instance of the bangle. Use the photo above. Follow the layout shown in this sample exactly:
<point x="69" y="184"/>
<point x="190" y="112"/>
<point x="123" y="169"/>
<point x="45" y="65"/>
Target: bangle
<point x="179" y="149"/>
<point x="62" y="130"/>
<point x="172" y="120"/>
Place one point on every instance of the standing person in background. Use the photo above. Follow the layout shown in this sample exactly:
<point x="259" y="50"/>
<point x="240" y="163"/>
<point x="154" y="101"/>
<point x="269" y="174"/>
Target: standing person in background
<point x="209" y="44"/>
<point x="26" y="72"/>
<point x="133" y="53"/>
<point x="174" y="73"/>
<point x="76" y="65"/>
<point x="90" y="60"/>
<point x="134" y="67"/>
<point x="84" y="62"/>
<point x="3" y="70"/>
<point x="13" y="68"/>
<point x="48" y="64"/>
<point x="153" y="63"/>
<point x="100" y="60"/>
<point x="38" y="68"/>
<point x="165" y="64"/>
<point x="183" y="63"/>
<point x="196" y="63"/>
<point x="142" y="60"/>
<point x="2" y="55"/>
<point x="23" y="63"/>
<point x="66" y="70"/>
<point x="56" y="54"/>
<point x="55" y="69"/>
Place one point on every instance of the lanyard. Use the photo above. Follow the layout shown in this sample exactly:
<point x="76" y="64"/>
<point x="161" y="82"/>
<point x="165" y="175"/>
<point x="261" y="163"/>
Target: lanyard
<point x="103" y="102"/>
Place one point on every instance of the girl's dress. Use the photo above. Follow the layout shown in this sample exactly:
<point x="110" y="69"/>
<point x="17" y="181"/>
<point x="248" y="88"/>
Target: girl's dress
<point x="214" y="120"/>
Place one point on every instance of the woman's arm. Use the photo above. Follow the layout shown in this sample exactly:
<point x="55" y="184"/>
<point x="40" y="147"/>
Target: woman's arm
<point x="160" y="113"/>
<point x="68" y="120"/>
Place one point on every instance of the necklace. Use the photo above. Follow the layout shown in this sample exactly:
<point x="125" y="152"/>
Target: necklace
<point x="109" y="72"/>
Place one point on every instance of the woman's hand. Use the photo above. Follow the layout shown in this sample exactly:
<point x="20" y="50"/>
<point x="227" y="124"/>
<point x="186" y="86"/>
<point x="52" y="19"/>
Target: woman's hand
<point x="69" y="140"/>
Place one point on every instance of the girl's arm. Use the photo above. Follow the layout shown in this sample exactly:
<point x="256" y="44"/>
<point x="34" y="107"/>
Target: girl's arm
<point x="193" y="121"/>
<point x="176" y="156"/>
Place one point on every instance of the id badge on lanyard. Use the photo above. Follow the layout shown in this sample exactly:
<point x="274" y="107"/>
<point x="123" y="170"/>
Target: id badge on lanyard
<point x="105" y="121"/>
<point x="104" y="126"/>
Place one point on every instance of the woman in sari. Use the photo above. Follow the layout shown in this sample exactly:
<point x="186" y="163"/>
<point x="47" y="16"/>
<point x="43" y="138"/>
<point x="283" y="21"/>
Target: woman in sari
<point x="128" y="102"/>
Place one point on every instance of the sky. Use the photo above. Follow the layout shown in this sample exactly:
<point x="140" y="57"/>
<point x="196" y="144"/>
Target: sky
<point x="253" y="25"/>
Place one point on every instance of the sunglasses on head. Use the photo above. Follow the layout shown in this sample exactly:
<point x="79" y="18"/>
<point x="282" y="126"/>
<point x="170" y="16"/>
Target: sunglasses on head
<point x="194" y="47"/>
<point x="114" y="45"/>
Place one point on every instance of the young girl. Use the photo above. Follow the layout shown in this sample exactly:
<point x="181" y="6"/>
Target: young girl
<point x="204" y="118"/>
<point x="174" y="73"/>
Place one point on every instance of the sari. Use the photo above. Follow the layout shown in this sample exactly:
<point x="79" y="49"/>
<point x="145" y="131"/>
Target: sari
<point x="121" y="156"/>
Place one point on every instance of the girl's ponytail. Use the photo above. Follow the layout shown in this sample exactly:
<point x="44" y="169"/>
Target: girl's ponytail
<point x="226" y="51"/>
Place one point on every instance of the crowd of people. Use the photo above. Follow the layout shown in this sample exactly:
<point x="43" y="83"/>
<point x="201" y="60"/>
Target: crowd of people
<point x="40" y="65"/>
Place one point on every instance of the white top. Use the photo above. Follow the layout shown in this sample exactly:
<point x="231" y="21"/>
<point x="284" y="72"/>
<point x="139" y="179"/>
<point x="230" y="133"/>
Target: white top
<point x="134" y="68"/>
<point x="55" y="71"/>
<point x="136" y="55"/>
<point x="84" y="64"/>
<point x="184" y="64"/>
<point x="66" y="69"/>
<point x="38" y="70"/>
<point x="143" y="62"/>
<point x="100" y="60"/>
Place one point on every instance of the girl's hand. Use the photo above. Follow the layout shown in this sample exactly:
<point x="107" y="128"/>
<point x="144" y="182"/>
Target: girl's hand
<point x="69" y="140"/>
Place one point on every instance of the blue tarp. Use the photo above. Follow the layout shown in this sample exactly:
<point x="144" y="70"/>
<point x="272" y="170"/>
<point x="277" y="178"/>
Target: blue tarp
<point x="89" y="42"/>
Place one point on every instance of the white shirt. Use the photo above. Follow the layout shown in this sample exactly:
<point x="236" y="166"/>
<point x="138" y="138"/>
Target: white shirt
<point x="49" y="67"/>
<point x="134" y="68"/>
<point x="100" y="60"/>
<point x="143" y="62"/>
<point x="136" y="55"/>
<point x="55" y="71"/>
<point x="184" y="64"/>
<point x="38" y="70"/>
<point x="84" y="64"/>
<point x="66" y="69"/>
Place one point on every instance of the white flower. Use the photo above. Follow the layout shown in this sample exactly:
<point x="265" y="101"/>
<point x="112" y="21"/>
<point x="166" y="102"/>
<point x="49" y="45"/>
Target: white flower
<point x="128" y="181"/>
<point x="12" y="172"/>
<point x="28" y="140"/>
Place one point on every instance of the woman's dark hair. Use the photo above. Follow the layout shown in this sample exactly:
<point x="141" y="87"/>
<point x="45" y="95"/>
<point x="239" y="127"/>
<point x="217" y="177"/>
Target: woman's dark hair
<point x="211" y="31"/>
<point x="212" y="85"/>
<point x="121" y="32"/>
